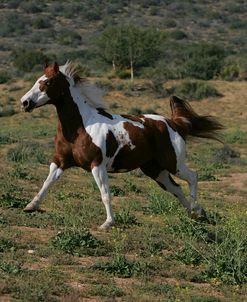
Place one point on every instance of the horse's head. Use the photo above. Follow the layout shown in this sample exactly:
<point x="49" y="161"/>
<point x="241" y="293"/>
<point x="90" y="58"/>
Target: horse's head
<point x="48" y="89"/>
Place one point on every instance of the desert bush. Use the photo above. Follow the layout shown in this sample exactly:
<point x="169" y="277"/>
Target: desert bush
<point x="4" y="76"/>
<point x="230" y="72"/>
<point x="26" y="59"/>
<point x="41" y="22"/>
<point x="68" y="37"/>
<point x="12" y="24"/>
<point x="197" y="90"/>
<point x="7" y="110"/>
<point x="31" y="7"/>
<point x="203" y="61"/>
<point x="178" y="35"/>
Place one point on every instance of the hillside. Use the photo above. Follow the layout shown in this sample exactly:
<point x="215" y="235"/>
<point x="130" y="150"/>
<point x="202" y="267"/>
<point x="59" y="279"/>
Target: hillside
<point x="69" y="29"/>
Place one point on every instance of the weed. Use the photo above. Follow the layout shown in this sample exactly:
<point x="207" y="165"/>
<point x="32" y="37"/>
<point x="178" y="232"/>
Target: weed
<point x="10" y="268"/>
<point x="120" y="266"/>
<point x="124" y="217"/>
<point x="237" y="136"/>
<point x="45" y="285"/>
<point x="109" y="290"/>
<point x="6" y="139"/>
<point x="6" y="244"/>
<point x="117" y="191"/>
<point x="161" y="203"/>
<point x="227" y="260"/>
<point x="10" y="201"/>
<point x="77" y="242"/>
<point x="131" y="187"/>
<point x="21" y="173"/>
<point x="26" y="152"/>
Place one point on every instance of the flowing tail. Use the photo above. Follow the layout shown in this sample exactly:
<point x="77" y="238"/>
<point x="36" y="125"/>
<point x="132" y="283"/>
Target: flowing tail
<point x="188" y="123"/>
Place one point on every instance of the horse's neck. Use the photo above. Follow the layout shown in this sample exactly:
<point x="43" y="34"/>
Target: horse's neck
<point x="72" y="116"/>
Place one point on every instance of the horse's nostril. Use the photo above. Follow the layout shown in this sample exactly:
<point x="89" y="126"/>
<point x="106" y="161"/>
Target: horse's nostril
<point x="25" y="103"/>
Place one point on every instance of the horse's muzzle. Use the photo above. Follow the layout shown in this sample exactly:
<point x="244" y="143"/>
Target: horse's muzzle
<point x="28" y="105"/>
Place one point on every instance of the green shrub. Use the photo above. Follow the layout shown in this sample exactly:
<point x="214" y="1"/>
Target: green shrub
<point x="203" y="61"/>
<point x="10" y="200"/>
<point x="177" y="35"/>
<point x="27" y="59"/>
<point x="67" y="37"/>
<point x="6" y="245"/>
<point x="41" y="22"/>
<point x="7" y="111"/>
<point x="230" y="72"/>
<point x="4" y="76"/>
<point x="76" y="242"/>
<point x="196" y="90"/>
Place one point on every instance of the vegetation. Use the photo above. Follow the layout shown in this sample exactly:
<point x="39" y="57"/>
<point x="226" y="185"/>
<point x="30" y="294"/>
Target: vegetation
<point x="129" y="47"/>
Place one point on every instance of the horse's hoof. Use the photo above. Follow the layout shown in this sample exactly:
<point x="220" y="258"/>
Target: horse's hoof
<point x="106" y="225"/>
<point x="31" y="208"/>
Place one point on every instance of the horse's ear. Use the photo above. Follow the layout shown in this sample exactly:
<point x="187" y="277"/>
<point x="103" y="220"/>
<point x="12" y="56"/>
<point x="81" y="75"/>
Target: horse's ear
<point x="46" y="64"/>
<point x="56" y="67"/>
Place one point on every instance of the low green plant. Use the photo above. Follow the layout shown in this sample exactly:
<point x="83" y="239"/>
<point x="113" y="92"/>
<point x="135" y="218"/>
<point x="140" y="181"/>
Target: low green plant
<point x="124" y="217"/>
<point x="6" y="245"/>
<point x="161" y="203"/>
<point x="7" y="110"/>
<point x="106" y="290"/>
<point x="10" y="200"/>
<point x="236" y="136"/>
<point x="76" y="242"/>
<point x="117" y="191"/>
<point x="120" y="266"/>
<point x="26" y="152"/>
<point x="227" y="260"/>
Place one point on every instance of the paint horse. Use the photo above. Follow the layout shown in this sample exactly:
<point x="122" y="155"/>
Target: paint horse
<point x="91" y="138"/>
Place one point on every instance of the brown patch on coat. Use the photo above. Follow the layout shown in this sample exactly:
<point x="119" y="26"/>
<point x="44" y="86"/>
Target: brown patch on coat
<point x="111" y="144"/>
<point x="73" y="145"/>
<point x="151" y="143"/>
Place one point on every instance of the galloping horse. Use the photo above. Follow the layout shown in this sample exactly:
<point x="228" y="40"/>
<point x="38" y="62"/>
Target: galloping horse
<point x="91" y="138"/>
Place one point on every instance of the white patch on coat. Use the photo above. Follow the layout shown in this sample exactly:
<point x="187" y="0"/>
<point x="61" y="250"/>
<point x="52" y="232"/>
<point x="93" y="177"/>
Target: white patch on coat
<point x="98" y="125"/>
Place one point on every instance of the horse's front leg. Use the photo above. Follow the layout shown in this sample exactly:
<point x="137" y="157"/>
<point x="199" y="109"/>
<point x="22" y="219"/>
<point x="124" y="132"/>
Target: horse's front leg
<point x="54" y="174"/>
<point x="101" y="178"/>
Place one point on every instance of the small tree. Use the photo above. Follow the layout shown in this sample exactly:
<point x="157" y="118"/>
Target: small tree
<point x="129" y="47"/>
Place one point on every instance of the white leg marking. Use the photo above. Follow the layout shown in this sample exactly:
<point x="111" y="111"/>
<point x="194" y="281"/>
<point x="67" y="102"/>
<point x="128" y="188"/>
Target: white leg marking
<point x="171" y="187"/>
<point x="54" y="175"/>
<point x="191" y="177"/>
<point x="101" y="178"/>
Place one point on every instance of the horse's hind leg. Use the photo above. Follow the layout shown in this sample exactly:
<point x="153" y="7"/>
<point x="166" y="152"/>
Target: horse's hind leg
<point x="165" y="181"/>
<point x="54" y="174"/>
<point x="190" y="177"/>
